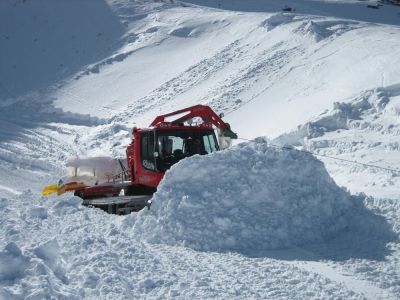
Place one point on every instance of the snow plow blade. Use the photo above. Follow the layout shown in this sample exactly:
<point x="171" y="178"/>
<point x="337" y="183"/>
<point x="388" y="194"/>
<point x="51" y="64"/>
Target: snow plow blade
<point x="60" y="189"/>
<point x="49" y="190"/>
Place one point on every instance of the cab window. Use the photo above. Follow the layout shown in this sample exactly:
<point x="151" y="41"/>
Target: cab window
<point x="147" y="151"/>
<point x="209" y="143"/>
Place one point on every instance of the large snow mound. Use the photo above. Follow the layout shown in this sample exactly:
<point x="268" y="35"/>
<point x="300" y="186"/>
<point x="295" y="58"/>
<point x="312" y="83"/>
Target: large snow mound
<point x="249" y="198"/>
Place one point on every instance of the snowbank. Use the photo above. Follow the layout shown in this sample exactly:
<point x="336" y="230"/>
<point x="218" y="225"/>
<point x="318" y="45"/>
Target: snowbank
<point x="247" y="199"/>
<point x="13" y="263"/>
<point x="342" y="116"/>
<point x="67" y="205"/>
<point x="365" y="129"/>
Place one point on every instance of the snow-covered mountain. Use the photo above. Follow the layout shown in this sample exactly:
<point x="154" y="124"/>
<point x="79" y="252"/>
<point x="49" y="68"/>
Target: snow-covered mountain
<point x="322" y="76"/>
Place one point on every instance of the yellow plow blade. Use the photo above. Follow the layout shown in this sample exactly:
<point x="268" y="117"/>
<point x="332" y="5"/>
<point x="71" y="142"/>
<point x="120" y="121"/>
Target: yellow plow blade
<point x="50" y="189"/>
<point x="61" y="189"/>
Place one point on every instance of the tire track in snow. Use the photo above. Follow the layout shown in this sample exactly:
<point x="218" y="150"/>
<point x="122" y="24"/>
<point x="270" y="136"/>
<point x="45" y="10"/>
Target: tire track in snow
<point x="363" y="287"/>
<point x="33" y="145"/>
<point x="267" y="66"/>
<point x="185" y="81"/>
<point x="273" y="64"/>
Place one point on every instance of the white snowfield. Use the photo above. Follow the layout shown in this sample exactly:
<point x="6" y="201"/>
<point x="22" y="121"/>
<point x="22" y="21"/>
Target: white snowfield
<point x="251" y="222"/>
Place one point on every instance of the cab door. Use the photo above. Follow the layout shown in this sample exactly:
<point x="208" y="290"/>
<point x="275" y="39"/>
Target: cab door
<point x="147" y="173"/>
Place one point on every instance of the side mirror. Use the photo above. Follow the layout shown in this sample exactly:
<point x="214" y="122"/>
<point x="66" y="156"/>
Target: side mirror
<point x="221" y="115"/>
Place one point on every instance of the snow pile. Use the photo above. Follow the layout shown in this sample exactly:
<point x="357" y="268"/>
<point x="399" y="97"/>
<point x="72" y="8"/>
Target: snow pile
<point x="247" y="199"/>
<point x="342" y="116"/>
<point x="66" y="206"/>
<point x="41" y="266"/>
<point x="277" y="20"/>
<point x="49" y="252"/>
<point x="365" y="129"/>
<point x="13" y="263"/>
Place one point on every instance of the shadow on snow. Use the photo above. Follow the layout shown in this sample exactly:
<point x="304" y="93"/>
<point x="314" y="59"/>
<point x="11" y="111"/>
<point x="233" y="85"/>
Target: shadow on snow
<point x="366" y="237"/>
<point x="44" y="42"/>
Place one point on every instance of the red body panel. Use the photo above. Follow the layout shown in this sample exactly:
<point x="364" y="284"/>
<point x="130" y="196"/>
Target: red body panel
<point x="151" y="178"/>
<point x="208" y="116"/>
<point x="139" y="174"/>
<point x="100" y="191"/>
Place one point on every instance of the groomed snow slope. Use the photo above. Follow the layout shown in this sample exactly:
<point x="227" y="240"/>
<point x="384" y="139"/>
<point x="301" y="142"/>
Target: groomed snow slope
<point x="268" y="71"/>
<point x="235" y="61"/>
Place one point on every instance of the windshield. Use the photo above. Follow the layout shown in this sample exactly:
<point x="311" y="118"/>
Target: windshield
<point x="173" y="145"/>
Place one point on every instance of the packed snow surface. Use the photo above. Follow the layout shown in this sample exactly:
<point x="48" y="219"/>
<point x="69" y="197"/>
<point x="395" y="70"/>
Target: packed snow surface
<point x="248" y="199"/>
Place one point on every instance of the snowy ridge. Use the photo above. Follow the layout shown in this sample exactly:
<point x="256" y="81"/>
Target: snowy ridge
<point x="366" y="127"/>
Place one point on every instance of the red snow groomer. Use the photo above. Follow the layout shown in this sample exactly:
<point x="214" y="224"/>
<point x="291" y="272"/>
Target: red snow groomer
<point x="154" y="150"/>
<point x="169" y="139"/>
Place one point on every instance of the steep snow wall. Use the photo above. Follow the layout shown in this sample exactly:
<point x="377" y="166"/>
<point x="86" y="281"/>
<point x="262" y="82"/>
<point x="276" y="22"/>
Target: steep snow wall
<point x="247" y="199"/>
